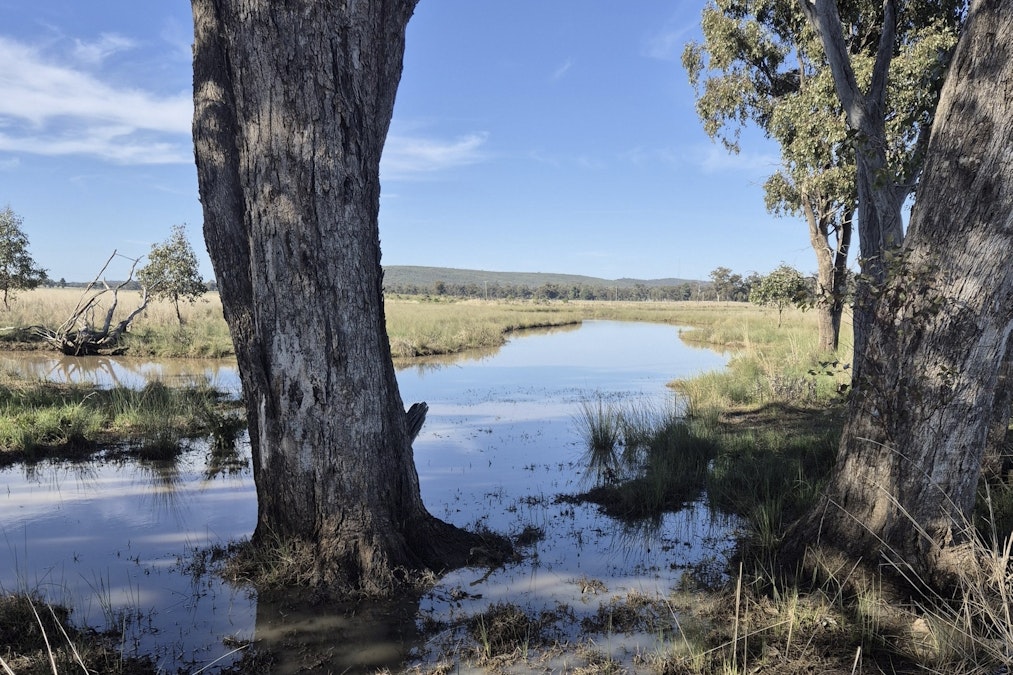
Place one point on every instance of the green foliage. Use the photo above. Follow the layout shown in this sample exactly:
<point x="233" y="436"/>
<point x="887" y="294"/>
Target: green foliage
<point x="761" y="63"/>
<point x="18" y="271"/>
<point x="172" y="272"/>
<point x="784" y="287"/>
<point x="730" y="286"/>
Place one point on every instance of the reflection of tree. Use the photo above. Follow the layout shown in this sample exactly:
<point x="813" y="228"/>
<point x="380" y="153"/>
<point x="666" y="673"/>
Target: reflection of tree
<point x="84" y="369"/>
<point x="224" y="457"/>
<point x="298" y="633"/>
<point x="134" y="373"/>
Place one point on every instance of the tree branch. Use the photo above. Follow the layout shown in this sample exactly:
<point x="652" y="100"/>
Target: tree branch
<point x="823" y="16"/>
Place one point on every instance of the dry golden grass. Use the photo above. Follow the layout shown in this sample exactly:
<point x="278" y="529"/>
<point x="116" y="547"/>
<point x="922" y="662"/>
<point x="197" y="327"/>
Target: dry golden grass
<point x="422" y="328"/>
<point x="419" y="328"/>
<point x="53" y="306"/>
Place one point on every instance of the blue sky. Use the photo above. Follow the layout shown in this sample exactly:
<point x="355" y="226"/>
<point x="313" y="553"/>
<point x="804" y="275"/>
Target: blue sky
<point x="528" y="136"/>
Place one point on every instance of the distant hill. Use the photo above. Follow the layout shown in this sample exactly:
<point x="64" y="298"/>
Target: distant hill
<point x="405" y="275"/>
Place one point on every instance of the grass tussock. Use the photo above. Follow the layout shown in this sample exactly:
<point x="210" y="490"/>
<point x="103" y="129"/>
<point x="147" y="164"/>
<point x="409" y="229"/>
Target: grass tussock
<point x="641" y="460"/>
<point x="40" y="419"/>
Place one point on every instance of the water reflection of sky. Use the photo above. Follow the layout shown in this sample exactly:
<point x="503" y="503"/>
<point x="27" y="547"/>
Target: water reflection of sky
<point x="105" y="371"/>
<point x="498" y="446"/>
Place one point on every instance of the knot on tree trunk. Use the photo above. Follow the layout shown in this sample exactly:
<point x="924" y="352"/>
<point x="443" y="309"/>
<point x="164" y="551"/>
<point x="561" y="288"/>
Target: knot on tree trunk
<point x="415" y="418"/>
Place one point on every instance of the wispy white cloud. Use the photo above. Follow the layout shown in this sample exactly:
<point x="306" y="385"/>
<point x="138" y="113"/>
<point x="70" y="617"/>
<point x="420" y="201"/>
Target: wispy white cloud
<point x="412" y="156"/>
<point x="115" y="144"/>
<point x="715" y="158"/>
<point x="51" y="108"/>
<point x="562" y="70"/>
<point x="710" y="158"/>
<point x="56" y="109"/>
<point x="96" y="52"/>
<point x="666" y="44"/>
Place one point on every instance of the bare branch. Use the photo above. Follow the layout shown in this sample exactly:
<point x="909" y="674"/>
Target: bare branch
<point x="77" y="336"/>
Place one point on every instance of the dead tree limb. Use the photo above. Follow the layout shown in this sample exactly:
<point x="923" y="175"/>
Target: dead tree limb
<point x="78" y="335"/>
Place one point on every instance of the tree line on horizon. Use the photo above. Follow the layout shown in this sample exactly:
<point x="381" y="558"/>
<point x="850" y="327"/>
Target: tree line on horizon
<point x="553" y="291"/>
<point x="724" y="285"/>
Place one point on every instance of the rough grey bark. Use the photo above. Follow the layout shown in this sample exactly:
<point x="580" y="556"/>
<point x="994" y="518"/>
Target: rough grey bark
<point x="998" y="458"/>
<point x="912" y="449"/>
<point x="293" y="101"/>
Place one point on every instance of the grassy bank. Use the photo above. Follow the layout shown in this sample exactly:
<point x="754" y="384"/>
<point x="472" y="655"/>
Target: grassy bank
<point x="759" y="443"/>
<point x="429" y="328"/>
<point x="417" y="327"/>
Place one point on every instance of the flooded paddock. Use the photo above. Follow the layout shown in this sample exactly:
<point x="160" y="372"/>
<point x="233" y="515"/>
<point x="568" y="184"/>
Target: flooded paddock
<point x="115" y="540"/>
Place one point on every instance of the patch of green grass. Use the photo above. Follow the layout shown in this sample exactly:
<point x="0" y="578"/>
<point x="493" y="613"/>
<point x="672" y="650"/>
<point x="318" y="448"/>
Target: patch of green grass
<point x="44" y="419"/>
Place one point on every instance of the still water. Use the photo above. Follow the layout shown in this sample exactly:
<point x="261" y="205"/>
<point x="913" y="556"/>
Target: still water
<point x="115" y="540"/>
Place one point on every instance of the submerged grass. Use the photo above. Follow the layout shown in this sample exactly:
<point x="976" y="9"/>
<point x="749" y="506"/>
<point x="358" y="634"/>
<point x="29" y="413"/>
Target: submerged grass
<point x="37" y="638"/>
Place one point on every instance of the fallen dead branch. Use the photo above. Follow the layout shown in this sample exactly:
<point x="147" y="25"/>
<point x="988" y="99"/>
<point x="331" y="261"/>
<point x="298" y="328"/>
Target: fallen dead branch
<point x="80" y="335"/>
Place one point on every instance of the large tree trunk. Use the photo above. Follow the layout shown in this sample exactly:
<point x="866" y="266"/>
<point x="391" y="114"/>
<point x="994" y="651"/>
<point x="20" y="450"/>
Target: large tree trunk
<point x="292" y="105"/>
<point x="831" y="242"/>
<point x="911" y="453"/>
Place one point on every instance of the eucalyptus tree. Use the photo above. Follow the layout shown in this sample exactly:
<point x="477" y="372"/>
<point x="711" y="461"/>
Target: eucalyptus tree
<point x="887" y="62"/>
<point x="762" y="63"/>
<point x="18" y="270"/>
<point x="782" y="288"/>
<point x="293" y="101"/>
<point x="911" y="453"/>
<point x="172" y="272"/>
<point x="725" y="283"/>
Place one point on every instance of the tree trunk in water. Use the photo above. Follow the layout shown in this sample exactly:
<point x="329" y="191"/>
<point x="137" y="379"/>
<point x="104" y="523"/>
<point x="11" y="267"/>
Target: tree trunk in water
<point x="292" y="106"/>
<point x="910" y="458"/>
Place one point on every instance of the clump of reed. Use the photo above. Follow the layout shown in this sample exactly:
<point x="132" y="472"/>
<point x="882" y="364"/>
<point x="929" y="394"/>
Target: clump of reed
<point x="598" y="421"/>
<point x="641" y="459"/>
